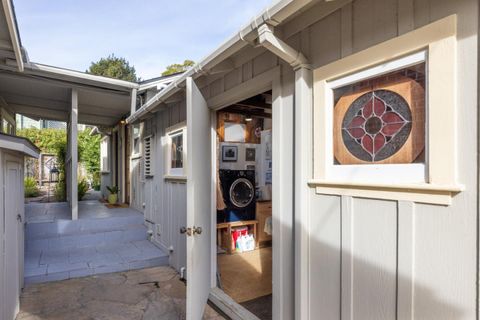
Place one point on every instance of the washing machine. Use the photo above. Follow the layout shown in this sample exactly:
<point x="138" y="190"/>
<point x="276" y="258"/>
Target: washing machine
<point x="238" y="187"/>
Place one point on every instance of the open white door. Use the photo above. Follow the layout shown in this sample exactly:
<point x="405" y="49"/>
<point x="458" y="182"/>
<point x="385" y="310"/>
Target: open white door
<point x="199" y="188"/>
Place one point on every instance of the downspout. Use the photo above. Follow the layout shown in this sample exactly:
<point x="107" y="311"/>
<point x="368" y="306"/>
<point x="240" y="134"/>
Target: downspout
<point x="278" y="47"/>
<point x="303" y="164"/>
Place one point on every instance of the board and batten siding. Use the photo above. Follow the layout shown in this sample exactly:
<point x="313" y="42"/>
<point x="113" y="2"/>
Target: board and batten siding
<point x="381" y="259"/>
<point x="162" y="201"/>
<point x="367" y="258"/>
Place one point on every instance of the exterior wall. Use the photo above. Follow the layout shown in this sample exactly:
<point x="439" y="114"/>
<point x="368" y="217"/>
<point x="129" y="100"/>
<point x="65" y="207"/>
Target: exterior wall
<point x="12" y="236"/>
<point x="164" y="200"/>
<point x="381" y="259"/>
<point x="367" y="258"/>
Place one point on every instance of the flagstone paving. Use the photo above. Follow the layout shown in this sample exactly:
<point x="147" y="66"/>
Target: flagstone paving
<point x="155" y="293"/>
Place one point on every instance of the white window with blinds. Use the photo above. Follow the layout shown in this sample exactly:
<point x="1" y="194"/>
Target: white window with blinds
<point x="104" y="154"/>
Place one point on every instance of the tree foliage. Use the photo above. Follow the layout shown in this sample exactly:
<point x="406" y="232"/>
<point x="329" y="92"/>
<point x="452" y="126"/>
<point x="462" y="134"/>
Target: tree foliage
<point x="89" y="151"/>
<point x="46" y="140"/>
<point x="54" y="141"/>
<point x="178" y="67"/>
<point x="113" y="67"/>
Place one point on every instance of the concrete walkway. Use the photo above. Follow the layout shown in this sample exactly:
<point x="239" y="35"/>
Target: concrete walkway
<point x="155" y="293"/>
<point x="102" y="241"/>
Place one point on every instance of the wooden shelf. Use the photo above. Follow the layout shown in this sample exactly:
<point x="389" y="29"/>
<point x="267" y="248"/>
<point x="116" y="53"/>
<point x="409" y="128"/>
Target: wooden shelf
<point x="229" y="226"/>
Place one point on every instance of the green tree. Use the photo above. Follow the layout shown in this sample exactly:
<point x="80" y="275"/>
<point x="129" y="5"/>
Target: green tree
<point x="113" y="67"/>
<point x="178" y="67"/>
<point x="54" y="141"/>
<point x="89" y="150"/>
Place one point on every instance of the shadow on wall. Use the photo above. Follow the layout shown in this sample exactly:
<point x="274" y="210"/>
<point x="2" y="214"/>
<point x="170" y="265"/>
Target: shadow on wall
<point x="346" y="285"/>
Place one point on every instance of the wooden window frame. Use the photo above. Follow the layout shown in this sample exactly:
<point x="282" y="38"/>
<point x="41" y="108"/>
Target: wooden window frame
<point x="138" y="136"/>
<point x="378" y="173"/>
<point x="438" y="40"/>
<point x="105" y="143"/>
<point x="175" y="173"/>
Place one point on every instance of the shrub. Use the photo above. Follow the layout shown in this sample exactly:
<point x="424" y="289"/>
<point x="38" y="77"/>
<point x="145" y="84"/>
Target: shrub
<point x="60" y="191"/>
<point x="113" y="189"/>
<point x="82" y="188"/>
<point x="31" y="188"/>
<point x="96" y="184"/>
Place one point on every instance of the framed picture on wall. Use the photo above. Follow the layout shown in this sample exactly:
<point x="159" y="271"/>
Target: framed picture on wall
<point x="229" y="153"/>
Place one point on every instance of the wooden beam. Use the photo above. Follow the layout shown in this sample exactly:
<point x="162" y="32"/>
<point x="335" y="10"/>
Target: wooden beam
<point x="47" y="113"/>
<point x="42" y="103"/>
<point x="7" y="54"/>
<point x="5" y="45"/>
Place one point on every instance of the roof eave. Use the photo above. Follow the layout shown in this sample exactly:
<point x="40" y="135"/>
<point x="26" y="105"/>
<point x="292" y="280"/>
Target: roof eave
<point x="77" y="76"/>
<point x="273" y="15"/>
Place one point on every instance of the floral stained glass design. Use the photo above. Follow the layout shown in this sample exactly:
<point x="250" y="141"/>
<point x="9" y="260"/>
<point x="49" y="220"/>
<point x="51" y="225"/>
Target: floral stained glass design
<point x="376" y="125"/>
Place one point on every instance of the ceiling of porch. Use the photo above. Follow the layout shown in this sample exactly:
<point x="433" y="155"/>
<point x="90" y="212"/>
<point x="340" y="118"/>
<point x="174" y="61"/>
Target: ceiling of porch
<point x="40" y="97"/>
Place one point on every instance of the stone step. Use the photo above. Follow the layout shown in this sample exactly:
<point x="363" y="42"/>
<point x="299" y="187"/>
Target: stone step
<point x="42" y="230"/>
<point x="82" y="239"/>
<point x="61" y="264"/>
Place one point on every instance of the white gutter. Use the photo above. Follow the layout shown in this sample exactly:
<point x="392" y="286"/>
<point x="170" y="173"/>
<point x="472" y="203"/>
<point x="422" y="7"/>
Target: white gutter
<point x="273" y="15"/>
<point x="12" y="29"/>
<point x="160" y="83"/>
<point x="72" y="75"/>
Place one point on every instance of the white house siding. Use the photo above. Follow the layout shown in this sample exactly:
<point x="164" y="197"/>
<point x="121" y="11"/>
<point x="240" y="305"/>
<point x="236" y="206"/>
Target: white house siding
<point x="367" y="258"/>
<point x="11" y="233"/>
<point x="164" y="200"/>
<point x="374" y="259"/>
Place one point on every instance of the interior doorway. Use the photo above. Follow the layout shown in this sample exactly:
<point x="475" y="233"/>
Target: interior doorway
<point x="244" y="233"/>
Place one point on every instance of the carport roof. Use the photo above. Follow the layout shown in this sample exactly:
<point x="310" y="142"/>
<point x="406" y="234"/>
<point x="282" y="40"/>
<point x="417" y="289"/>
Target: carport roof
<point x="41" y="91"/>
<point x="44" y="92"/>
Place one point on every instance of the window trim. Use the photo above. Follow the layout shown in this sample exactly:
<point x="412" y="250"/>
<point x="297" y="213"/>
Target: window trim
<point x="374" y="173"/>
<point x="136" y="155"/>
<point x="175" y="173"/>
<point x="105" y="141"/>
<point x="439" y="41"/>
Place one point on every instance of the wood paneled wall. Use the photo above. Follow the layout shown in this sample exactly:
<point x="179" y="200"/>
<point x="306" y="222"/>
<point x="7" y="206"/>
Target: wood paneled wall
<point x="368" y="258"/>
<point x="162" y="201"/>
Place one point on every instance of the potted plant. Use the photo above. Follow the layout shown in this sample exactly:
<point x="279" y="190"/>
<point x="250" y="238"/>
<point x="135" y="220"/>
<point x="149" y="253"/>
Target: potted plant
<point x="113" y="196"/>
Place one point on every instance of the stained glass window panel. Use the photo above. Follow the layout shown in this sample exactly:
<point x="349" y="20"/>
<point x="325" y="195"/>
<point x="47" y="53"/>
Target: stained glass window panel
<point x="381" y="119"/>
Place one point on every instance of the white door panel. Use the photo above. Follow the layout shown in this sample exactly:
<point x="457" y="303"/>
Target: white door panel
<point x="199" y="188"/>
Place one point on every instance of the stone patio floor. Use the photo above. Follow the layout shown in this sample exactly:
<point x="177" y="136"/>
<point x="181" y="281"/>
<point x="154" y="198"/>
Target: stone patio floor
<point x="155" y="293"/>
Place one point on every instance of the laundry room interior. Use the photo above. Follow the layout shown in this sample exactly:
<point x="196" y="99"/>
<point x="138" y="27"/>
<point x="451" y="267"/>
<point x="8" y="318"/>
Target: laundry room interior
<point x="244" y="203"/>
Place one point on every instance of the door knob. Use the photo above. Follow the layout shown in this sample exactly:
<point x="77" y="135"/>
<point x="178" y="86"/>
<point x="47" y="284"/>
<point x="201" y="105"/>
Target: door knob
<point x="197" y="230"/>
<point x="19" y="218"/>
<point x="188" y="231"/>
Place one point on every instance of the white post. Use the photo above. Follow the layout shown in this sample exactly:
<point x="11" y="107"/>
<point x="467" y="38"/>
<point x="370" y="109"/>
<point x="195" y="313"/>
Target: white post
<point x="73" y="138"/>
<point x="40" y="170"/>
<point x="282" y="196"/>
<point x="303" y="172"/>
<point x="133" y="103"/>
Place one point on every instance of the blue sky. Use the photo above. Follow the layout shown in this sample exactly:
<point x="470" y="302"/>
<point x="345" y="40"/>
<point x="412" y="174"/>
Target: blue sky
<point x="150" y="34"/>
